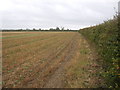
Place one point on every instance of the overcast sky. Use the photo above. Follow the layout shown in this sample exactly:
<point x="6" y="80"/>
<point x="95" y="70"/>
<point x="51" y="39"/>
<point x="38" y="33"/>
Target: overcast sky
<point x="72" y="14"/>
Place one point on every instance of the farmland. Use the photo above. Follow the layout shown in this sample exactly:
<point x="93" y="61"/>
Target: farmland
<point x="47" y="59"/>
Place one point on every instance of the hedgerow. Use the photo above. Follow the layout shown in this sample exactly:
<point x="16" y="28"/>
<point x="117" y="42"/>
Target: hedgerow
<point x="107" y="40"/>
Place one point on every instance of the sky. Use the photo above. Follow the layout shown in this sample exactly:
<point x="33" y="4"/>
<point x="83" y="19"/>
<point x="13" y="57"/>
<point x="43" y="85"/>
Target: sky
<point x="45" y="14"/>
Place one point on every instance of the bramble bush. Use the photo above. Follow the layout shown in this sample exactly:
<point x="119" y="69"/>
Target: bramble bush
<point x="107" y="40"/>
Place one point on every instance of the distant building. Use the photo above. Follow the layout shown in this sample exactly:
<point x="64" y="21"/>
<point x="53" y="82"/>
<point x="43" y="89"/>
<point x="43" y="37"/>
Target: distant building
<point x="119" y="7"/>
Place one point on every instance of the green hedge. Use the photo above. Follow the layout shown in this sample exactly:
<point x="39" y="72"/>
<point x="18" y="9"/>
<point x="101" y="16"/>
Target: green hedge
<point x="106" y="37"/>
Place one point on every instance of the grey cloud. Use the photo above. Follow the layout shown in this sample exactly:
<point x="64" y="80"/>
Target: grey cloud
<point x="73" y="14"/>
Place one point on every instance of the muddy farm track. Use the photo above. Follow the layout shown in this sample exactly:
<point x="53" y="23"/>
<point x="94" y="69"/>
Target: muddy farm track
<point x="46" y="60"/>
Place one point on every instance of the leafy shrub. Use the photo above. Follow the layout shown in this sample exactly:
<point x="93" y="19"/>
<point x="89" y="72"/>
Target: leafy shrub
<point x="106" y="38"/>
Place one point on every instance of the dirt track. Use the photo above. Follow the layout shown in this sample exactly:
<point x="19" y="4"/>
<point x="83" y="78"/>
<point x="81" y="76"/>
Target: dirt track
<point x="43" y="60"/>
<point x="56" y="80"/>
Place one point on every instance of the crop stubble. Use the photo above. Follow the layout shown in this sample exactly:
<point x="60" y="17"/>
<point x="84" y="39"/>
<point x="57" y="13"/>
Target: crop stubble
<point x="31" y="61"/>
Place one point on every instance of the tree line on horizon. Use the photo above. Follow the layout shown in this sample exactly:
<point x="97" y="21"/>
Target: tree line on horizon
<point x="51" y="29"/>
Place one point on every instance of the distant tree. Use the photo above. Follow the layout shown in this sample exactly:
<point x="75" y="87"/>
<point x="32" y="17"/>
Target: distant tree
<point x="57" y="28"/>
<point x="19" y="29"/>
<point x="67" y="29"/>
<point x="33" y="29"/>
<point x="51" y="29"/>
<point x="39" y="29"/>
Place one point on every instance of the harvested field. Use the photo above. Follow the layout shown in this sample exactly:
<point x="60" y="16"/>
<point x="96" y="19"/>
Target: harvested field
<point x="43" y="59"/>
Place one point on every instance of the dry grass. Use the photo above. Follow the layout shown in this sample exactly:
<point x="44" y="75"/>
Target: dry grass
<point x="25" y="57"/>
<point x="44" y="59"/>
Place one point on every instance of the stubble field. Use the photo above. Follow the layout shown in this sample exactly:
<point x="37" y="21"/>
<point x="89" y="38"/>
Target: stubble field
<point x="45" y="59"/>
